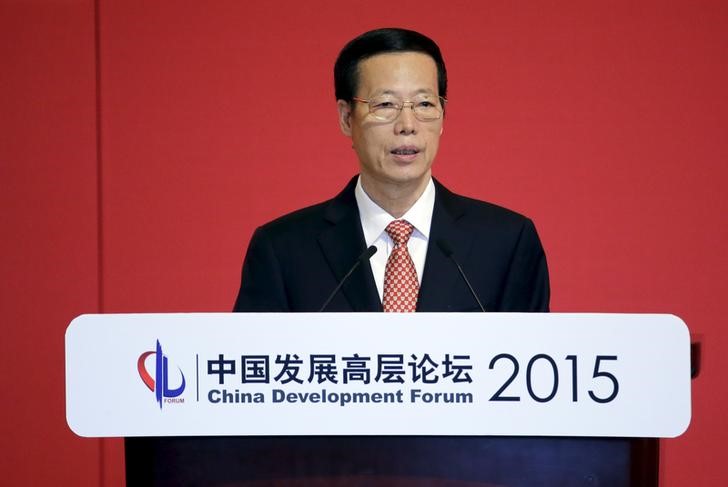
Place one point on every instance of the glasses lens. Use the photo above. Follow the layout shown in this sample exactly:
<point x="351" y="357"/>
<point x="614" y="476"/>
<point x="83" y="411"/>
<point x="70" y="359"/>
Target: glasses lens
<point x="385" y="108"/>
<point x="427" y="108"/>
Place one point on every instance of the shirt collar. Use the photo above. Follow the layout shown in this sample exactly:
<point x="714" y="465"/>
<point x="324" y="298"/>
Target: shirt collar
<point x="374" y="219"/>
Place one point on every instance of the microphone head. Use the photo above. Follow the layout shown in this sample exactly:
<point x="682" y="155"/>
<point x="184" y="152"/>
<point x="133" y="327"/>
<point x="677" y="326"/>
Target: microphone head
<point x="368" y="253"/>
<point x="445" y="247"/>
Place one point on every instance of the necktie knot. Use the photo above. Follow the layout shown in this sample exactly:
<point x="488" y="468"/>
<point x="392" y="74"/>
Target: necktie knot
<point x="400" y="231"/>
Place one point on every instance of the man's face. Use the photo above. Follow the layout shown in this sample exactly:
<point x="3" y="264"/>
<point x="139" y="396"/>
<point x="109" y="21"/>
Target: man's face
<point x="395" y="154"/>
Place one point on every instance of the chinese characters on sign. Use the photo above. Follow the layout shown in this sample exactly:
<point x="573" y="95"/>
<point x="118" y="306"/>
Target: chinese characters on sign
<point x="326" y="369"/>
<point x="386" y="368"/>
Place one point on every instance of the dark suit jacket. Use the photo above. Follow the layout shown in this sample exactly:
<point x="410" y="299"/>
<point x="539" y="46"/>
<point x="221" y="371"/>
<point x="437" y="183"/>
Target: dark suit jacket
<point x="294" y="263"/>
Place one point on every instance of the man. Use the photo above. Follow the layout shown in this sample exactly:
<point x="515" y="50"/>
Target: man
<point x="391" y="87"/>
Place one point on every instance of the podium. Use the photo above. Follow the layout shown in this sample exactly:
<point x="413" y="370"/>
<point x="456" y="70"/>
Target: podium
<point x="373" y="399"/>
<point x="400" y="461"/>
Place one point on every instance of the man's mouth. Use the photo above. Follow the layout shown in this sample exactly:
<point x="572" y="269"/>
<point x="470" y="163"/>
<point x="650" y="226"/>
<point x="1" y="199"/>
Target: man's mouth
<point x="405" y="151"/>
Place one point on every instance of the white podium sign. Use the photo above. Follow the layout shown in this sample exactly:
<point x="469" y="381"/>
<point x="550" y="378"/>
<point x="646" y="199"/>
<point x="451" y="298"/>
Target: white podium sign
<point x="469" y="374"/>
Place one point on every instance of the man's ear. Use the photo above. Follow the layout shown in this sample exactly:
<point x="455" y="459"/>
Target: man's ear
<point x="344" y="108"/>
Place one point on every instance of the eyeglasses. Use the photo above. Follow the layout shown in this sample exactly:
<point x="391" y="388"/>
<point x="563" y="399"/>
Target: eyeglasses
<point x="386" y="108"/>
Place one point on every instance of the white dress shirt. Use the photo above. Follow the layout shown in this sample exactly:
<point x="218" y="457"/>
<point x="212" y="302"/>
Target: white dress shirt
<point x="374" y="221"/>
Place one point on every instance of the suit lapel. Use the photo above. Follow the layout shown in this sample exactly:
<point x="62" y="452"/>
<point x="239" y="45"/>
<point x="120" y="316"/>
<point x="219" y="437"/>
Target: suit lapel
<point x="441" y="274"/>
<point x="342" y="243"/>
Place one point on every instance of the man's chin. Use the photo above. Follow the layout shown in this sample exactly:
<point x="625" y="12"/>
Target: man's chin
<point x="401" y="179"/>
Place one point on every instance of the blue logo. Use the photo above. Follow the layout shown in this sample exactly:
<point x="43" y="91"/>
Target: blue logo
<point x="159" y="384"/>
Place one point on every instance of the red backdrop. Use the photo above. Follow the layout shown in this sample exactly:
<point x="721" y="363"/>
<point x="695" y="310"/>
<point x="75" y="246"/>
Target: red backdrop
<point x="142" y="142"/>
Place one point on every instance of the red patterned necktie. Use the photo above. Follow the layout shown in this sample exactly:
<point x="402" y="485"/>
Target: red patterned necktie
<point x="400" y="276"/>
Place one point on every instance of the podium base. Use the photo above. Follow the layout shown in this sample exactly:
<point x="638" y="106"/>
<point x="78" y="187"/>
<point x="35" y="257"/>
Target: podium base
<point x="398" y="461"/>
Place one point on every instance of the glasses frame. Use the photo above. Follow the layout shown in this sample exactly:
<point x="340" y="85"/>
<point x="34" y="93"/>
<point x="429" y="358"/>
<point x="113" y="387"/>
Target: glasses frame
<point x="399" y="108"/>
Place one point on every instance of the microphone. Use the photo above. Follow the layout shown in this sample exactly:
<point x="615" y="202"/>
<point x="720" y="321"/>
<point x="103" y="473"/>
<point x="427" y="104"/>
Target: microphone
<point x="364" y="257"/>
<point x="447" y="250"/>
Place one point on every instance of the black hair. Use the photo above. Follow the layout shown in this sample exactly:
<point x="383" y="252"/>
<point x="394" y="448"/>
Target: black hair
<point x="381" y="41"/>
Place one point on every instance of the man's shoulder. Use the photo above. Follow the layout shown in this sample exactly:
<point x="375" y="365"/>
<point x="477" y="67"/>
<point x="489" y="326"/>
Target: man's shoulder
<point x="314" y="218"/>
<point x="310" y="217"/>
<point x="478" y="213"/>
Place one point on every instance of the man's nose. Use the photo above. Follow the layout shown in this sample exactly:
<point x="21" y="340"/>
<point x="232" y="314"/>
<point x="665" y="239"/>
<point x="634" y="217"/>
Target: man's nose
<point x="406" y="123"/>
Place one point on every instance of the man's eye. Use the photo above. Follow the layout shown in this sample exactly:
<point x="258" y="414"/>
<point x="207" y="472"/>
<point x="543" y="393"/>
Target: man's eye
<point x="384" y="104"/>
<point x="425" y="104"/>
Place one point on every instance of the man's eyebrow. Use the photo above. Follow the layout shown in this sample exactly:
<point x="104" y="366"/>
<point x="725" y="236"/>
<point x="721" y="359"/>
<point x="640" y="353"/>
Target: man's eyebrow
<point x="426" y="91"/>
